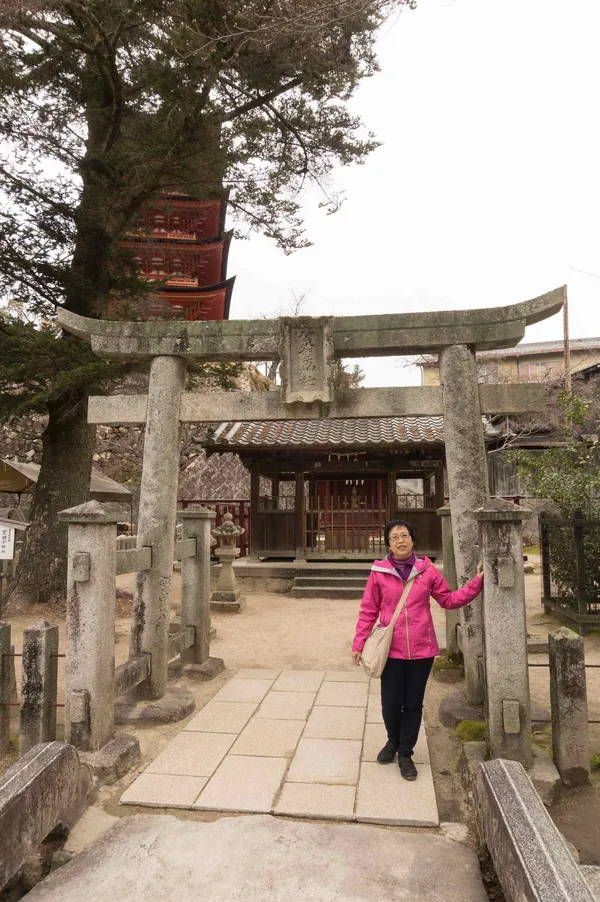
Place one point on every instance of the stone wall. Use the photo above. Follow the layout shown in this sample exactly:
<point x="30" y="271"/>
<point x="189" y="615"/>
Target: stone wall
<point x="220" y="477"/>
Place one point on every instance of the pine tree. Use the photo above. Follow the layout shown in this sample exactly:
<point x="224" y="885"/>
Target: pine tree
<point x="106" y="104"/>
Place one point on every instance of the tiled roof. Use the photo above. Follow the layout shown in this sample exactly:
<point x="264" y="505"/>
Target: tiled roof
<point x="328" y="433"/>
<point x="527" y="349"/>
<point x="543" y="347"/>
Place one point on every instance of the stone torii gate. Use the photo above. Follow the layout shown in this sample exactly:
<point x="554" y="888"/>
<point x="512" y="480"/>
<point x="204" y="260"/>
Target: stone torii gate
<point x="306" y="347"/>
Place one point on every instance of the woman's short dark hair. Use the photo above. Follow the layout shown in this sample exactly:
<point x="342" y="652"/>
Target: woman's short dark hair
<point x="389" y="526"/>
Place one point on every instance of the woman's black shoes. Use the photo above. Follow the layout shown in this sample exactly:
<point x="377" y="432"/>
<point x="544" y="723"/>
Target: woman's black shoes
<point x="407" y="768"/>
<point x="387" y="753"/>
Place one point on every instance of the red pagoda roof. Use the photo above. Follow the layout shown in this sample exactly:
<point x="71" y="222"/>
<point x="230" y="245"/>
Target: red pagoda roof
<point x="180" y="243"/>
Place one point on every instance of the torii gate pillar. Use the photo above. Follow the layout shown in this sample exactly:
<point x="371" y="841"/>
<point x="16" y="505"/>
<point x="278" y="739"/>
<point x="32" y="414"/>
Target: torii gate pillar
<point x="466" y="464"/>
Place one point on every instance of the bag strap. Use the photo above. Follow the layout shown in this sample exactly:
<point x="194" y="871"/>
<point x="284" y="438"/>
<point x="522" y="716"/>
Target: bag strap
<point x="402" y="602"/>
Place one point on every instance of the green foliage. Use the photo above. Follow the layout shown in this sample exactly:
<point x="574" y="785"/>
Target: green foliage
<point x="37" y="366"/>
<point x="569" y="477"/>
<point x="595" y="762"/>
<point x="470" y="731"/>
<point x="221" y="374"/>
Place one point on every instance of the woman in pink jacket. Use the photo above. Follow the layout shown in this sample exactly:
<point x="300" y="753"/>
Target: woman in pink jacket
<point x="414" y="644"/>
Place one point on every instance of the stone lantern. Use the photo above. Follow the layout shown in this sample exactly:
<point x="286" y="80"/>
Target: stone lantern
<point x="227" y="596"/>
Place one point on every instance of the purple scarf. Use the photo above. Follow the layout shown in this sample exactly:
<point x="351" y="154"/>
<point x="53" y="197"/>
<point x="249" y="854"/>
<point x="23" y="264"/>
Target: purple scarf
<point x="403" y="567"/>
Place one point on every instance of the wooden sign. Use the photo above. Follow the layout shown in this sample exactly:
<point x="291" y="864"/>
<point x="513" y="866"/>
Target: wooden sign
<point x="7" y="543"/>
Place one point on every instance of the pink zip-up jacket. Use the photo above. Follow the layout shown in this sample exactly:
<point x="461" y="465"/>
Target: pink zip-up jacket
<point x="414" y="634"/>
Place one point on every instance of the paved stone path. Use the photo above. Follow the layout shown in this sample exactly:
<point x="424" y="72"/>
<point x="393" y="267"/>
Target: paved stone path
<point x="258" y="858"/>
<point x="291" y="742"/>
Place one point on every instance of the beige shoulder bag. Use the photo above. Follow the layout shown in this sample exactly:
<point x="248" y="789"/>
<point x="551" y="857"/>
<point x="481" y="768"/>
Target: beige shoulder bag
<point x="376" y="649"/>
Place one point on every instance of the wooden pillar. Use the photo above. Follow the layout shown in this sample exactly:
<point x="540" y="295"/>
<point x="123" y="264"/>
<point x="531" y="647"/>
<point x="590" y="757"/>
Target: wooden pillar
<point x="438" y="475"/>
<point x="438" y="503"/>
<point x="255" y="526"/>
<point x="392" y="498"/>
<point x="274" y="487"/>
<point x="300" y="515"/>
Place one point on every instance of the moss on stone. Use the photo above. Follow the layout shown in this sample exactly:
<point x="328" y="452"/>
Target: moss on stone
<point x="444" y="663"/>
<point x="470" y="731"/>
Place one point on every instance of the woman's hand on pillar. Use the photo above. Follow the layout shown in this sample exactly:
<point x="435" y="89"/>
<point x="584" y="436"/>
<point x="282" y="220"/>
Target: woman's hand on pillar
<point x="356" y="657"/>
<point x="480" y="568"/>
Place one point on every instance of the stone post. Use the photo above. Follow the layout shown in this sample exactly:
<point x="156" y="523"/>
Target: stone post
<point x="568" y="700"/>
<point x="452" y="617"/>
<point x="156" y="522"/>
<point x="5" y="687"/>
<point x="90" y="654"/>
<point x="38" y="685"/>
<point x="466" y="464"/>
<point x="195" y="595"/>
<point x="507" y="702"/>
<point x="227" y="596"/>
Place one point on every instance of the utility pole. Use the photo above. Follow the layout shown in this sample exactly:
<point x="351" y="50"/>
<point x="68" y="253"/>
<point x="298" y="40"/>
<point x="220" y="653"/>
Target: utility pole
<point x="567" y="349"/>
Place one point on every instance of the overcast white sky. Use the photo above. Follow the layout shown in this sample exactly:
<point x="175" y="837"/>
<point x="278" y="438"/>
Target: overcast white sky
<point x="486" y="190"/>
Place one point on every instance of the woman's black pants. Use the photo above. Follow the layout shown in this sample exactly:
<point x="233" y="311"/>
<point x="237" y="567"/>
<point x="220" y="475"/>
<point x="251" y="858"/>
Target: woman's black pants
<point x="402" y="690"/>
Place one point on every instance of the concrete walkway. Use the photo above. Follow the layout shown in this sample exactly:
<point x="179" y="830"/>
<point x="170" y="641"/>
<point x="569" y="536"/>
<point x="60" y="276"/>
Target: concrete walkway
<point x="290" y="742"/>
<point x="264" y="859"/>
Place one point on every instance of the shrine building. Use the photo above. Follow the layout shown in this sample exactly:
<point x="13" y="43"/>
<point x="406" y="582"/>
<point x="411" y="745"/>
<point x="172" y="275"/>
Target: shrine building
<point x="335" y="483"/>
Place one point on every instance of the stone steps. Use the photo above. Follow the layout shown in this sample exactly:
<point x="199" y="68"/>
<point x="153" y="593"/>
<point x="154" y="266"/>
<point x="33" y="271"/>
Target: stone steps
<point x="342" y="582"/>
<point x="328" y="587"/>
<point x="321" y="592"/>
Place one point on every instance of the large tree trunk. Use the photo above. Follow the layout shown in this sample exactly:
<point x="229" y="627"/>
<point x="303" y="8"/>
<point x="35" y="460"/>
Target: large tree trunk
<point x="64" y="481"/>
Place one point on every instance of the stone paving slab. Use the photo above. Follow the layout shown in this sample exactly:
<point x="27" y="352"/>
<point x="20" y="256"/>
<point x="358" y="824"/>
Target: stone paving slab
<point x="243" y="691"/>
<point x="192" y="754"/>
<point x="383" y="796"/>
<point x="296" y="753"/>
<point x="375" y="688"/>
<point x="298" y="681"/>
<point x="286" y="706"/>
<point x="335" y="723"/>
<point x="317" y="800"/>
<point x="347" y="695"/>
<point x="264" y="859"/>
<point x="374" y="714"/>
<point x="164" y="791"/>
<point x="255" y="673"/>
<point x="346" y="676"/>
<point x="222" y="717"/>
<point x="243" y="783"/>
<point x="269" y="738"/>
<point x="326" y="761"/>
